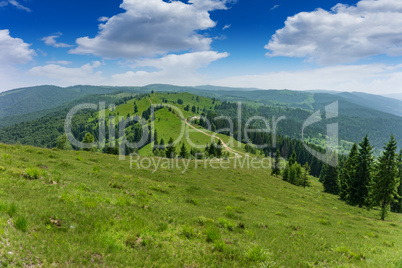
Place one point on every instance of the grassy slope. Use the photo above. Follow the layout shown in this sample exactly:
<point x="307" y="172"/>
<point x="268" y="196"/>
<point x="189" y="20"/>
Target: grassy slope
<point x="91" y="209"/>
<point x="169" y="125"/>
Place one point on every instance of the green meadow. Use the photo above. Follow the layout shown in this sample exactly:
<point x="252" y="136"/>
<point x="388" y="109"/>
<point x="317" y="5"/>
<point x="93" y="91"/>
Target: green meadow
<point x="69" y="209"/>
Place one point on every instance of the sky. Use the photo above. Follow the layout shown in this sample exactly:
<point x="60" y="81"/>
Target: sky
<point x="340" y="45"/>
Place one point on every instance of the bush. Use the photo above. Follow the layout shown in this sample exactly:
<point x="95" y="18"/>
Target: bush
<point x="227" y="224"/>
<point x="213" y="234"/>
<point x="32" y="174"/>
<point x="257" y="254"/>
<point x="188" y="232"/>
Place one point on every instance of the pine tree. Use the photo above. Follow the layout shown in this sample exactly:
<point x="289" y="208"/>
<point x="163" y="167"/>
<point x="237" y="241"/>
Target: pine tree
<point x="397" y="207"/>
<point x="162" y="145"/>
<point x="183" y="151"/>
<point x="212" y="150"/>
<point x="386" y="181"/>
<point x="330" y="179"/>
<point x="305" y="182"/>
<point x="276" y="170"/>
<point x="360" y="184"/>
<point x="219" y="148"/>
<point x="348" y="173"/>
<point x="171" y="149"/>
<point x="292" y="158"/>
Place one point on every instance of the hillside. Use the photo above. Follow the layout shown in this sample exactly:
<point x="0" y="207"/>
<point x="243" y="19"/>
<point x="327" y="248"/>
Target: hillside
<point x="82" y="208"/>
<point x="34" y="99"/>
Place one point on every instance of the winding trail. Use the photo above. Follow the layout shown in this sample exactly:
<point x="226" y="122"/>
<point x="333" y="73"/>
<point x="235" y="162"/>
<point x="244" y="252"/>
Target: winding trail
<point x="225" y="146"/>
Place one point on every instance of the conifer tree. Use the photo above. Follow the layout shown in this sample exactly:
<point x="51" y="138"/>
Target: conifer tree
<point x="276" y="170"/>
<point x="386" y="181"/>
<point x="292" y="158"/>
<point x="171" y="149"/>
<point x="162" y="145"/>
<point x="330" y="179"/>
<point x="219" y="148"/>
<point x="348" y="173"/>
<point x="360" y="184"/>
<point x="304" y="179"/>
<point x="212" y="150"/>
<point x="397" y="207"/>
<point x="183" y="151"/>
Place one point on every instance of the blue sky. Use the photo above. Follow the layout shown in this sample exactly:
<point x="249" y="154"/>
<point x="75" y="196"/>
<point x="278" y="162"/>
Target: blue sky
<point x="269" y="44"/>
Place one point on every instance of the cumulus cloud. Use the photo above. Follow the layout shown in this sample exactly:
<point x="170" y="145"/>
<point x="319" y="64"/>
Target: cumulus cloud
<point x="62" y="75"/>
<point x="14" y="50"/>
<point x="51" y="41"/>
<point x="152" y="27"/>
<point x="171" y="69"/>
<point x="343" y="34"/>
<point x="371" y="78"/>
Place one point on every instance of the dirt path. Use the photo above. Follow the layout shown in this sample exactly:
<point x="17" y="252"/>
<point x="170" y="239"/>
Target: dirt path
<point x="225" y="146"/>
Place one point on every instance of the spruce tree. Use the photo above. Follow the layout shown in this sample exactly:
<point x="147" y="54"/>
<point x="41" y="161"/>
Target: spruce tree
<point x="397" y="207"/>
<point x="183" y="151"/>
<point x="330" y="179"/>
<point x="292" y="158"/>
<point x="304" y="179"/>
<point x="386" y="181"/>
<point x="348" y="173"/>
<point x="171" y="149"/>
<point x="219" y="148"/>
<point x="276" y="170"/>
<point x="212" y="150"/>
<point x="360" y="183"/>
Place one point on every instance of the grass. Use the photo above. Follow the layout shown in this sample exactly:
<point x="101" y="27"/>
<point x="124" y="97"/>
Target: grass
<point x="76" y="214"/>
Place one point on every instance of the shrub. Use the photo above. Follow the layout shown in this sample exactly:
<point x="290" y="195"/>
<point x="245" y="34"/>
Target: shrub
<point x="213" y="234"/>
<point x="227" y="224"/>
<point x="257" y="254"/>
<point x="21" y="223"/>
<point x="188" y="232"/>
<point x="2" y="168"/>
<point x="32" y="174"/>
<point x="219" y="245"/>
<point x="193" y="201"/>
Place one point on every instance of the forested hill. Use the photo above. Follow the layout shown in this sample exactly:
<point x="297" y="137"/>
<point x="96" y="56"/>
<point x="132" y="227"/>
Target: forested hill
<point x="355" y="120"/>
<point x="32" y="99"/>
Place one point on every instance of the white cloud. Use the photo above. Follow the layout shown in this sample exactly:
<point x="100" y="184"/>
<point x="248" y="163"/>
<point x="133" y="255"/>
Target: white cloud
<point x="372" y="78"/>
<point x="59" y="62"/>
<point x="152" y="27"/>
<point x="227" y="26"/>
<point x="65" y="76"/>
<point x="171" y="69"/>
<point x="344" y="34"/>
<point x="14" y="50"/>
<point x="274" y="7"/>
<point x="103" y="19"/>
<point x="15" y="4"/>
<point x="51" y="41"/>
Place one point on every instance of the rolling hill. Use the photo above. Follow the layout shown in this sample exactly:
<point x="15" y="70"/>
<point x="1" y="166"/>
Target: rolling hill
<point x="66" y="208"/>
